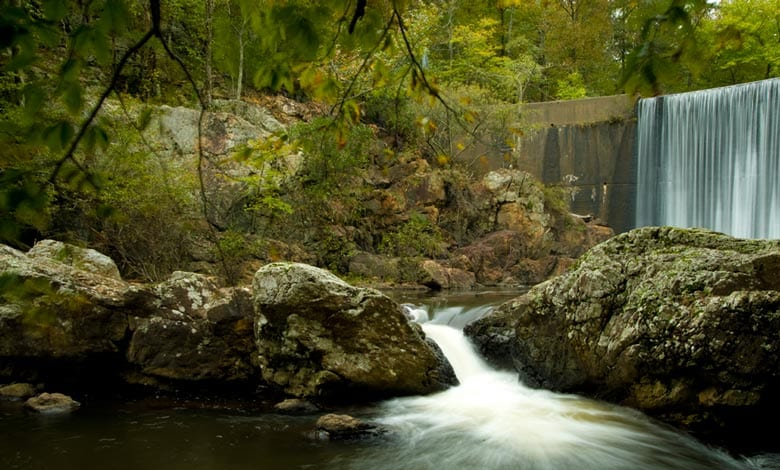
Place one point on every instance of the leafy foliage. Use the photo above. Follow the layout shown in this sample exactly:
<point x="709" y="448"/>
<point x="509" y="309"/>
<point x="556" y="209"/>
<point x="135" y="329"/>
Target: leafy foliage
<point x="417" y="237"/>
<point x="435" y="79"/>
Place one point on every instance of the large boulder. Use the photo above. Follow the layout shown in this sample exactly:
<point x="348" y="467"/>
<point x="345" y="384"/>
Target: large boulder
<point x="318" y="337"/>
<point x="681" y="324"/>
<point x="61" y="305"/>
<point x="68" y="317"/>
<point x="84" y="259"/>
<point x="198" y="332"/>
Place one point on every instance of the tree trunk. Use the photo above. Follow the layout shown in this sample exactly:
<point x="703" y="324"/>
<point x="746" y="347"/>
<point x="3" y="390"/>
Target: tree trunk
<point x="209" y="43"/>
<point x="240" y="79"/>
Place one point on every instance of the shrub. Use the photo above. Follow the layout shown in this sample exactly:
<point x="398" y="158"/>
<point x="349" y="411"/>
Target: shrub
<point x="417" y="237"/>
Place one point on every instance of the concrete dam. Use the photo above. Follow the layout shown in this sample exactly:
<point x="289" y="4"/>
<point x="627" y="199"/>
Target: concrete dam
<point x="709" y="158"/>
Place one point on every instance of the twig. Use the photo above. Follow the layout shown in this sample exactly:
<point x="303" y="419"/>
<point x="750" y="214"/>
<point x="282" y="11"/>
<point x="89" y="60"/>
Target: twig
<point x="70" y="154"/>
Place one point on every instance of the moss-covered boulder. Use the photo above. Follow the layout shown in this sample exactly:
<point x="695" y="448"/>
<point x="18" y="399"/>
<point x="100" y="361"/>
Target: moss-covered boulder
<point x="319" y="337"/>
<point x="197" y="332"/>
<point x="682" y="324"/>
<point x="67" y="317"/>
<point x="62" y="308"/>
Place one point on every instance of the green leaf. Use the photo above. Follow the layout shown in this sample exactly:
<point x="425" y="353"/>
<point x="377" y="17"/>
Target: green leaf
<point x="144" y="119"/>
<point x="58" y="135"/>
<point x="73" y="98"/>
<point x="54" y="10"/>
<point x="34" y="97"/>
<point x="95" y="138"/>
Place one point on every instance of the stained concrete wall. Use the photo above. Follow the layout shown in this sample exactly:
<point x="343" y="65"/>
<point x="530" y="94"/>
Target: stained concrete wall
<point x="583" y="111"/>
<point x="587" y="146"/>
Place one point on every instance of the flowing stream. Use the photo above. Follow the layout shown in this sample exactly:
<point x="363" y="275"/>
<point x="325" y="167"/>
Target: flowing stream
<point x="711" y="158"/>
<point x="489" y="422"/>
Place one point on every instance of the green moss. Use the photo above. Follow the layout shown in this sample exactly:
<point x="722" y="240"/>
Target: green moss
<point x="40" y="303"/>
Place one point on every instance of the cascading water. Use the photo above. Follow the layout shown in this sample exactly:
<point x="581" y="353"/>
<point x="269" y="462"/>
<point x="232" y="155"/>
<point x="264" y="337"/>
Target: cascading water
<point x="493" y="422"/>
<point x="711" y="159"/>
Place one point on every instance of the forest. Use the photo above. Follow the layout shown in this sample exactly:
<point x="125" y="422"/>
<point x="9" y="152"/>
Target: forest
<point x="410" y="72"/>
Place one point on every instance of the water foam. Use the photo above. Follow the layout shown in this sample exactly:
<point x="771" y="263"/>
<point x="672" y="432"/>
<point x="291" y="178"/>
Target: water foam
<point x="491" y="421"/>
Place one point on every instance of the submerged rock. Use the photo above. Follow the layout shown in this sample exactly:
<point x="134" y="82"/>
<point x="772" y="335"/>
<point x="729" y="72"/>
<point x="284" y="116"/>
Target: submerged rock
<point x="345" y="427"/>
<point x="52" y="403"/>
<point x="296" y="406"/>
<point x="318" y="337"/>
<point x="681" y="324"/>
<point x="17" y="391"/>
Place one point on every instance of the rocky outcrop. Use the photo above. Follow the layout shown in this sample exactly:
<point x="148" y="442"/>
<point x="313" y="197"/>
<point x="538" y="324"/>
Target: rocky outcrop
<point x="67" y="318"/>
<point x="319" y="337"/>
<point x="681" y="324"/>
<point x="61" y="309"/>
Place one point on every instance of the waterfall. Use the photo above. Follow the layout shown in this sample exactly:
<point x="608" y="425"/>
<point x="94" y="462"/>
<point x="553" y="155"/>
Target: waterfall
<point x="493" y="422"/>
<point x="711" y="159"/>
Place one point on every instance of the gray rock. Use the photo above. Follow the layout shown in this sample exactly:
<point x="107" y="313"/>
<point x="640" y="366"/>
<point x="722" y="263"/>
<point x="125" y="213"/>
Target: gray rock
<point x="198" y="332"/>
<point x="319" y="337"/>
<point x="52" y="403"/>
<point x="436" y="276"/>
<point x="254" y="114"/>
<point x="681" y="324"/>
<point x="53" y="310"/>
<point x="80" y="258"/>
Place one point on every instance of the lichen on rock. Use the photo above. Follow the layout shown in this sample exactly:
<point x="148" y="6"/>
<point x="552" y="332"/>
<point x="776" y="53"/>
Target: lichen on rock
<point x="319" y="337"/>
<point x="680" y="323"/>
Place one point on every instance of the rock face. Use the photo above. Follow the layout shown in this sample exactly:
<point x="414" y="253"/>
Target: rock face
<point x="320" y="337"/>
<point x="681" y="324"/>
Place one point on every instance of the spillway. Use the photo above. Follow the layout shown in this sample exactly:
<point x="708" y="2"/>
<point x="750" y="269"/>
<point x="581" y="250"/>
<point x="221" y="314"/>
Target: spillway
<point x="711" y="159"/>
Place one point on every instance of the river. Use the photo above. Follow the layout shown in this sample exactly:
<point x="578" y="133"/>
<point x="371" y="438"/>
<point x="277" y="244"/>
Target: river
<point x="489" y="422"/>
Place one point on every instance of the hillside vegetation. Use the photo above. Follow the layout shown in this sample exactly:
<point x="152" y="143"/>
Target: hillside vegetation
<point x="335" y="129"/>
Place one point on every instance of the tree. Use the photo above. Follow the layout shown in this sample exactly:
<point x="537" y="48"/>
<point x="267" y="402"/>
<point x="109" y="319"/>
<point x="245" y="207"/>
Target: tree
<point x="101" y="40"/>
<point x="667" y="53"/>
<point x="233" y="27"/>
<point x="743" y="39"/>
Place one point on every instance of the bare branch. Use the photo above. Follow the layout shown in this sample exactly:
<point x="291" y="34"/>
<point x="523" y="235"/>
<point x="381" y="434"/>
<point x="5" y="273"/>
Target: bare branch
<point x="70" y="154"/>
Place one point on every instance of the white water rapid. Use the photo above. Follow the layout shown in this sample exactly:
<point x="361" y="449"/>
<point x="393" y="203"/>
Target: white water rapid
<point x="711" y="159"/>
<point x="493" y="422"/>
